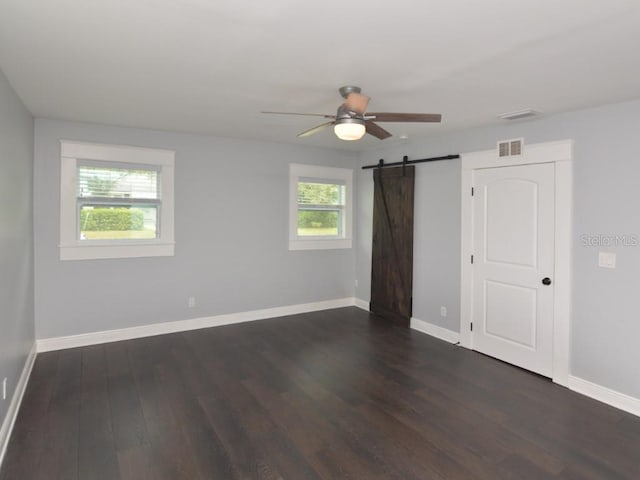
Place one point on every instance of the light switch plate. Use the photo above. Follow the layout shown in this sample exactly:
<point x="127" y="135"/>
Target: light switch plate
<point x="607" y="259"/>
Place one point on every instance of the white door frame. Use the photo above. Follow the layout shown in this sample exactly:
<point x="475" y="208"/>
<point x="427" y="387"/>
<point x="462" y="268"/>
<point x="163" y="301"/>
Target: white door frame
<point x="561" y="155"/>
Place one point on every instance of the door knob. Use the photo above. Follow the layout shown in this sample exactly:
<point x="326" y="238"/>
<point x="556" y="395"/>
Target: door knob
<point x="546" y="281"/>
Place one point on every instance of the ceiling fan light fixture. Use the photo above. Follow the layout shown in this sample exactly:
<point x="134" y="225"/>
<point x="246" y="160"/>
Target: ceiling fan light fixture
<point x="349" y="129"/>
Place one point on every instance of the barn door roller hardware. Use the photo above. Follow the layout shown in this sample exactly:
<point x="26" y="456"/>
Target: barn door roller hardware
<point x="406" y="161"/>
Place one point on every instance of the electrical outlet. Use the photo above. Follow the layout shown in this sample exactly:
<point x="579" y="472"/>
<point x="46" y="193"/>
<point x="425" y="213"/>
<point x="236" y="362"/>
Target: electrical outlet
<point x="4" y="388"/>
<point x="191" y="302"/>
<point x="355" y="283"/>
<point x="443" y="311"/>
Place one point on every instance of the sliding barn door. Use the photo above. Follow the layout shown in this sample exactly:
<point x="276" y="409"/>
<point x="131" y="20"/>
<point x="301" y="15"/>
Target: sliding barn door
<point x="392" y="257"/>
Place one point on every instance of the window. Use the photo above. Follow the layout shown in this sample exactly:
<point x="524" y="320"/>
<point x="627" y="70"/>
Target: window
<point x="116" y="201"/>
<point x="320" y="207"/>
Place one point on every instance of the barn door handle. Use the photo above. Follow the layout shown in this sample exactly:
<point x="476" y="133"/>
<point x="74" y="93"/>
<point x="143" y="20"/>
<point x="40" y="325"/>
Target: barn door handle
<point x="546" y="281"/>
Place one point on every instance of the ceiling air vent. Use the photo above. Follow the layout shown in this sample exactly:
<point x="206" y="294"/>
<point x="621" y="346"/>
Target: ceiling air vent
<point x="510" y="148"/>
<point x="519" y="115"/>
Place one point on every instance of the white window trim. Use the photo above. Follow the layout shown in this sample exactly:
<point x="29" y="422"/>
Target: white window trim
<point x="345" y="175"/>
<point x="71" y="248"/>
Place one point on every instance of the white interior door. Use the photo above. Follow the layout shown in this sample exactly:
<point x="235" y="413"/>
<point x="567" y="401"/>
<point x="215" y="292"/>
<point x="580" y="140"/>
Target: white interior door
<point x="513" y="264"/>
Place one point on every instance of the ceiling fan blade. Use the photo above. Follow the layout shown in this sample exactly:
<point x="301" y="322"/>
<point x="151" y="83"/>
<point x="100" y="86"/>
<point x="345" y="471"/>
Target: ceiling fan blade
<point x="356" y="102"/>
<point x="303" y="114"/>
<point x="376" y="130"/>
<point x="316" y="129"/>
<point x="405" y="117"/>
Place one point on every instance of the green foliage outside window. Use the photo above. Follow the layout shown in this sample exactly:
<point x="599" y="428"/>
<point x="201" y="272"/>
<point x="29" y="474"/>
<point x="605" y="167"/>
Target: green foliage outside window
<point x="323" y="215"/>
<point x="318" y="219"/>
<point x="111" y="219"/>
<point x="320" y="194"/>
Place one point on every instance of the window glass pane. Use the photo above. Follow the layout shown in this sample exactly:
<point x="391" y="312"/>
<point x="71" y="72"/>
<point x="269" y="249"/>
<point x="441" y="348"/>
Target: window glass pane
<point x="100" y="222"/>
<point x="310" y="193"/>
<point x="319" y="222"/>
<point x="111" y="182"/>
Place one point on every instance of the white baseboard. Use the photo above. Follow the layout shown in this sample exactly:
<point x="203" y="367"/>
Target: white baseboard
<point x="435" y="331"/>
<point x="605" y="395"/>
<point x="95" y="338"/>
<point x="16" y="400"/>
<point x="363" y="304"/>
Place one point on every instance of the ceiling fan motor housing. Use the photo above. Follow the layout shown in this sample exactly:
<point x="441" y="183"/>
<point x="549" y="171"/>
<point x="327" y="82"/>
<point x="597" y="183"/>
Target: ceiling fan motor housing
<point x="343" y="113"/>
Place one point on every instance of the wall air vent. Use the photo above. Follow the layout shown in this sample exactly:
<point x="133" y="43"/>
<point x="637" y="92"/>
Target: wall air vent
<point x="510" y="148"/>
<point x="519" y="115"/>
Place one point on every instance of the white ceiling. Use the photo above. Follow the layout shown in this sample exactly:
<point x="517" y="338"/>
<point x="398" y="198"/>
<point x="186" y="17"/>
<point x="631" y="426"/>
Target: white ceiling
<point x="210" y="66"/>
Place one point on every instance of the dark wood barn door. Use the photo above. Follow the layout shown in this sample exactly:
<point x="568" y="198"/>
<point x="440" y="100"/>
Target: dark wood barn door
<point x="392" y="257"/>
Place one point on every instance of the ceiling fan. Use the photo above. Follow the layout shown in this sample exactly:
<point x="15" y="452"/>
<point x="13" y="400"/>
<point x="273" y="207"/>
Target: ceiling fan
<point x="352" y="120"/>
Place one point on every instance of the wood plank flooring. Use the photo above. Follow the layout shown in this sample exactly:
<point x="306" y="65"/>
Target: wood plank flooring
<point x="327" y="395"/>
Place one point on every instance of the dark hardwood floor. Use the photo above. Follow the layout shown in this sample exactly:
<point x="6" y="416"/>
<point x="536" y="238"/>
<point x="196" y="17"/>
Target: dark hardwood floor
<point x="327" y="395"/>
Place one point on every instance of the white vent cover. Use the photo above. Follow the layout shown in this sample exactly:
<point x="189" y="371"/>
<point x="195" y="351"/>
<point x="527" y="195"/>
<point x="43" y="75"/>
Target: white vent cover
<point x="519" y="115"/>
<point x="510" y="148"/>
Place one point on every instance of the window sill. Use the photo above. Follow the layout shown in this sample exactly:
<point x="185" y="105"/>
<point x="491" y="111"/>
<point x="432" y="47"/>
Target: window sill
<point x="315" y="244"/>
<point x="129" y="250"/>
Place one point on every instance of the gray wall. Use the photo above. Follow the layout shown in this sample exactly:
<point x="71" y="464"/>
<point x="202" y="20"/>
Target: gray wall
<point x="227" y="190"/>
<point x="231" y="217"/>
<point x="605" y="303"/>
<point x="16" y="245"/>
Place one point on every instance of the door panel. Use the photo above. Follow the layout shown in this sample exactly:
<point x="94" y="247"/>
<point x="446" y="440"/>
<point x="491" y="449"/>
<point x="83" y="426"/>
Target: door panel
<point x="503" y="302"/>
<point x="512" y="207"/>
<point x="513" y="215"/>
<point x="392" y="252"/>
